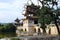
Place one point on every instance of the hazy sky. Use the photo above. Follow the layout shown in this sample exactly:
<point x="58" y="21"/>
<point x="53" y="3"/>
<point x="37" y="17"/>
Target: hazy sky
<point x="11" y="9"/>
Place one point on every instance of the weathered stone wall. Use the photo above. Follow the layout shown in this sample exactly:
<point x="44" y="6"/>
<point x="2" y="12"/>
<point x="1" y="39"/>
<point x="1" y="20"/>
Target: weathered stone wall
<point x="54" y="31"/>
<point x="41" y="38"/>
<point x="51" y="29"/>
<point x="44" y="37"/>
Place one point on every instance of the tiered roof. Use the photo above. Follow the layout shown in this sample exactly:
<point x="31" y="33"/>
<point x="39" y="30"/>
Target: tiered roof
<point x="30" y="9"/>
<point x="17" y="20"/>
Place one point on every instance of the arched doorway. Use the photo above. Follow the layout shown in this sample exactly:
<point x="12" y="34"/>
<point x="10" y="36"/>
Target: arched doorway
<point x="34" y="29"/>
<point x="25" y="29"/>
<point x="38" y="29"/>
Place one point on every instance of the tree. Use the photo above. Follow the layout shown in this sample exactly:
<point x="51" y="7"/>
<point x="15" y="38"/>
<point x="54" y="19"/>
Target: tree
<point x="43" y="14"/>
<point x="9" y="27"/>
<point x="55" y="18"/>
<point x="46" y="14"/>
<point x="1" y="28"/>
<point x="44" y="17"/>
<point x="55" y="14"/>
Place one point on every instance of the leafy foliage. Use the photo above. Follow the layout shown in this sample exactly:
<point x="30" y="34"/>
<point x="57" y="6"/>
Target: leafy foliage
<point x="9" y="27"/>
<point x="47" y="14"/>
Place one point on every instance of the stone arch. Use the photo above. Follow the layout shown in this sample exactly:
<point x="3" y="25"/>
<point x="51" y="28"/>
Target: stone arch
<point x="34" y="29"/>
<point x="25" y="29"/>
<point x="38" y="29"/>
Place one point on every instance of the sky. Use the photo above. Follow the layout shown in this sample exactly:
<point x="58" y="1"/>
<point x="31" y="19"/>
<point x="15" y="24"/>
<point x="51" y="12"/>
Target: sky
<point x="12" y="9"/>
